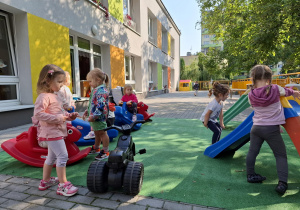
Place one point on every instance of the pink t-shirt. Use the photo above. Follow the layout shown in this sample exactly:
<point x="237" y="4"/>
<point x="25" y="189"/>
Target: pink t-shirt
<point x="130" y="97"/>
<point x="48" y="111"/>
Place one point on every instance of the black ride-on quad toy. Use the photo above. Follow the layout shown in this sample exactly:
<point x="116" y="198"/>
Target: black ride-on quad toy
<point x="120" y="170"/>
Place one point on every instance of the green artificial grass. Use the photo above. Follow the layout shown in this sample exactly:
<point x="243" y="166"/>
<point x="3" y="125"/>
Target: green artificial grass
<point x="176" y="169"/>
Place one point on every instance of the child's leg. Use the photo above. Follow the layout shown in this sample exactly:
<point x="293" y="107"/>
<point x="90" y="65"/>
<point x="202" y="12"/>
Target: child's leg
<point x="60" y="150"/>
<point x="102" y="135"/>
<point x="217" y="130"/>
<point x="277" y="145"/>
<point x="48" y="165"/>
<point x="255" y="144"/>
<point x="133" y="108"/>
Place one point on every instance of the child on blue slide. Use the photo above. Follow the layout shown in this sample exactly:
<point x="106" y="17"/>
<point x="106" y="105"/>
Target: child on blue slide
<point x="264" y="98"/>
<point x="214" y="110"/>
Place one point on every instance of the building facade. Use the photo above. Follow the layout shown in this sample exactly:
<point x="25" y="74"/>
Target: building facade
<point x="135" y="42"/>
<point x="208" y="40"/>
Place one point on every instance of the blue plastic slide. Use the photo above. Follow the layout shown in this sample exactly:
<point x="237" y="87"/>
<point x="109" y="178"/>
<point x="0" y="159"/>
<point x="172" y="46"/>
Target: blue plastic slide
<point x="233" y="141"/>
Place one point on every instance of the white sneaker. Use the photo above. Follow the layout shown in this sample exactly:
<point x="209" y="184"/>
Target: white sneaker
<point x="133" y="118"/>
<point x="91" y="135"/>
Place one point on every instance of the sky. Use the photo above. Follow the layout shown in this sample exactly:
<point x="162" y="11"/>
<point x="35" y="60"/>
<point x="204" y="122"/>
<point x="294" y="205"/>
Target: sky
<point x="185" y="14"/>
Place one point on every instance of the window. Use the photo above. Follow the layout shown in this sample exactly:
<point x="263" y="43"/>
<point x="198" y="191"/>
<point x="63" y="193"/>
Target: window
<point x="150" y="76"/>
<point x="9" y="81"/>
<point x="127" y="7"/>
<point x="85" y="56"/>
<point x="129" y="18"/>
<point x="206" y="42"/>
<point x="206" y="36"/>
<point x="164" y="40"/>
<point x="130" y="71"/>
<point x="172" y="47"/>
<point x="150" y="28"/>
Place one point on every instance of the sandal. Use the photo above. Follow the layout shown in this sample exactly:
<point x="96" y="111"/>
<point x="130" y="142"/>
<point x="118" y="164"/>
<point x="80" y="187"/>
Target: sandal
<point x="255" y="178"/>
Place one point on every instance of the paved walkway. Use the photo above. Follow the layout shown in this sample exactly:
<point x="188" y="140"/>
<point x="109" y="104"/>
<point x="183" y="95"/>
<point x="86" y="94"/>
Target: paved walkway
<point x="22" y="193"/>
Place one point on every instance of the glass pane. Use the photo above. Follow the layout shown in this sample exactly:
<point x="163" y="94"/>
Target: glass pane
<point x="8" y="92"/>
<point x="71" y="41"/>
<point x="97" y="61"/>
<point x="97" y="48"/>
<point x="132" y="69"/>
<point x="127" y="68"/>
<point x="84" y="64"/>
<point x="83" y="43"/>
<point x="125" y="7"/>
<point x="73" y="71"/>
<point x="6" y="65"/>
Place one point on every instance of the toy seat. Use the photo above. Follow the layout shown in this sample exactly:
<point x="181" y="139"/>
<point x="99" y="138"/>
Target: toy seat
<point x="84" y="128"/>
<point x="123" y="116"/>
<point x="142" y="109"/>
<point x="25" y="147"/>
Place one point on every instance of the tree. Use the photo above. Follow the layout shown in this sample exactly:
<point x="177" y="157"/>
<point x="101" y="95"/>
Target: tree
<point x="253" y="32"/>
<point x="182" y="68"/>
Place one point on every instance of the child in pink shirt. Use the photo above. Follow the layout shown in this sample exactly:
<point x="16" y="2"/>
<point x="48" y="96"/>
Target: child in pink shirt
<point x="52" y="128"/>
<point x="131" y="101"/>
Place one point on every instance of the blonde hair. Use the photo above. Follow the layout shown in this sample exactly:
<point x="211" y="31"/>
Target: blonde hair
<point x="217" y="89"/>
<point x="98" y="75"/>
<point x="47" y="74"/>
<point x="127" y="86"/>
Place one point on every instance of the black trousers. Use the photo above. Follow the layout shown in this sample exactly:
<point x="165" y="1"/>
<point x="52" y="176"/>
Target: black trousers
<point x="215" y="127"/>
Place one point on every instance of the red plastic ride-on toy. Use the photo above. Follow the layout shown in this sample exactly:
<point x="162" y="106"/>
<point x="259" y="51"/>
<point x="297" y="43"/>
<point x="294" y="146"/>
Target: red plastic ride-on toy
<point x="142" y="109"/>
<point x="25" y="147"/>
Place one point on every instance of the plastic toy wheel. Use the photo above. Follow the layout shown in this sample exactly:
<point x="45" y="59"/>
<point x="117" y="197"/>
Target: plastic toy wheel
<point x="133" y="178"/>
<point x="97" y="177"/>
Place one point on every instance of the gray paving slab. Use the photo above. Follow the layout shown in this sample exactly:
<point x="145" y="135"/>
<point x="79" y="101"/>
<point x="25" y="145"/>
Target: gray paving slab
<point x="22" y="193"/>
<point x="13" y="204"/>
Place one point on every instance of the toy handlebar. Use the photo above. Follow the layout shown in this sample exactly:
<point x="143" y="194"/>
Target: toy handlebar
<point x="125" y="128"/>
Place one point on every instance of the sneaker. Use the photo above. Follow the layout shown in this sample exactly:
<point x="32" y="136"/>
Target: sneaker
<point x="133" y="118"/>
<point x="94" y="151"/>
<point x="281" y="187"/>
<point x="102" y="155"/>
<point x="45" y="185"/>
<point x="91" y="135"/>
<point x="66" y="189"/>
<point x="255" y="178"/>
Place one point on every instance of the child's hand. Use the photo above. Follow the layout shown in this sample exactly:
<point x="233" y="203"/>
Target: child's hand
<point x="84" y="115"/>
<point x="296" y="94"/>
<point x="91" y="119"/>
<point x="222" y="126"/>
<point x="205" y="125"/>
<point x="120" y="102"/>
<point x="74" y="115"/>
<point x="65" y="118"/>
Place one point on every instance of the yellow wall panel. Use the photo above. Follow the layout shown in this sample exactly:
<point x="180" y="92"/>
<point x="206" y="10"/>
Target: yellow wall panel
<point x="159" y="37"/>
<point x="117" y="67"/>
<point x="48" y="44"/>
<point x="169" y="44"/>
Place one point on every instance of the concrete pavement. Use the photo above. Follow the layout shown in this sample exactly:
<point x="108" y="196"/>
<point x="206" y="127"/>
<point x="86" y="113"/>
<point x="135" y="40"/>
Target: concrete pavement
<point x="22" y="193"/>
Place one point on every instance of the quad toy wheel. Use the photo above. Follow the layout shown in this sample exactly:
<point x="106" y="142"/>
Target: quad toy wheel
<point x="133" y="178"/>
<point x="97" y="177"/>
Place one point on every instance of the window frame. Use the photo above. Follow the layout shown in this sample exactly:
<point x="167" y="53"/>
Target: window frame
<point x="76" y="50"/>
<point x="150" y="28"/>
<point x="131" y="69"/>
<point x="10" y="80"/>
